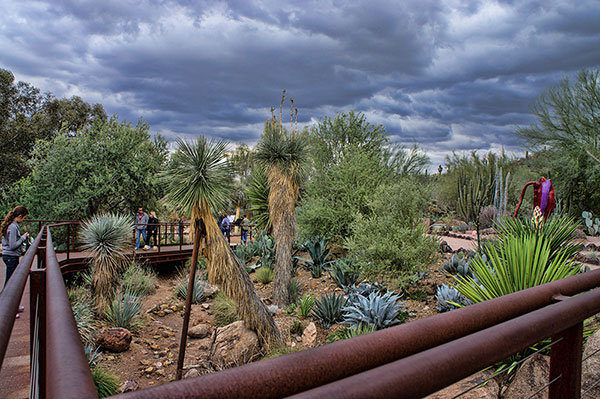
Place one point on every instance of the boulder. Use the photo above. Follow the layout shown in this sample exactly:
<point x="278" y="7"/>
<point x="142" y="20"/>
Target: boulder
<point x="235" y="345"/>
<point x="309" y="336"/>
<point x="531" y="376"/>
<point x="210" y="290"/>
<point x="199" y="331"/>
<point x="590" y="368"/>
<point x="114" y="340"/>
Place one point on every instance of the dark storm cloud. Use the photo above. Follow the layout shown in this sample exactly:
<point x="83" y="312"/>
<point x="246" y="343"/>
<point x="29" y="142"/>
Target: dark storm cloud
<point x="456" y="75"/>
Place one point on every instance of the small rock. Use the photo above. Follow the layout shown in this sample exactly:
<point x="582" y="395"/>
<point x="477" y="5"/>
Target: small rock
<point x="165" y="334"/>
<point x="272" y="309"/>
<point x="149" y="370"/>
<point x="110" y="357"/>
<point x="191" y="374"/>
<point x="163" y="306"/>
<point x="156" y="337"/>
<point x="160" y="372"/>
<point x="129" y="386"/>
<point x="161" y="313"/>
<point x="199" y="331"/>
<point x="309" y="336"/>
<point x="205" y="306"/>
<point x="154" y="347"/>
<point x="158" y="365"/>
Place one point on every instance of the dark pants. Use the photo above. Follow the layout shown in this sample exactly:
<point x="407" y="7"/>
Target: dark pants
<point x="150" y="235"/>
<point x="11" y="263"/>
<point x="244" y="236"/>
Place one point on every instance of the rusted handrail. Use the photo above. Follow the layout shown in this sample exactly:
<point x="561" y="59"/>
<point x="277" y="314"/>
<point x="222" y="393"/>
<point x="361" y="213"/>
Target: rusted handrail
<point x="11" y="296"/>
<point x="319" y="366"/>
<point x="67" y="370"/>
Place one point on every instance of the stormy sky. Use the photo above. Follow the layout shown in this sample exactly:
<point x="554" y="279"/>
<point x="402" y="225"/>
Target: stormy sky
<point x="446" y="75"/>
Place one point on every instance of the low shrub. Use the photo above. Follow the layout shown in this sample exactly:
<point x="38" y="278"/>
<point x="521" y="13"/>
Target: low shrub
<point x="107" y="384"/>
<point x="225" y="311"/>
<point x="124" y="311"/>
<point x="139" y="279"/>
<point x="264" y="275"/>
<point x="448" y="298"/>
<point x="328" y="310"/>
<point x="305" y="305"/>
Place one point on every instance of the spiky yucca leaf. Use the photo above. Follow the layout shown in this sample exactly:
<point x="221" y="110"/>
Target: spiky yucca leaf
<point x="125" y="311"/>
<point x="198" y="171"/>
<point x="258" y="196"/>
<point x="106" y="237"/>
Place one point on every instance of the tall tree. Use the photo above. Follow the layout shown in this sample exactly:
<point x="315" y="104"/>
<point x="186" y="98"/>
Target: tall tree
<point x="283" y="156"/>
<point x="568" y="116"/>
<point x="197" y="181"/>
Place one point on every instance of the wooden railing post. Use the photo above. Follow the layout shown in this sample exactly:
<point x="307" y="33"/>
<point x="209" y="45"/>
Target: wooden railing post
<point x="565" y="362"/>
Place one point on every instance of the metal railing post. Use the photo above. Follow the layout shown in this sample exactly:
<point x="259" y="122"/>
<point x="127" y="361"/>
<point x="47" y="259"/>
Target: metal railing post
<point x="565" y="362"/>
<point x="37" y="333"/>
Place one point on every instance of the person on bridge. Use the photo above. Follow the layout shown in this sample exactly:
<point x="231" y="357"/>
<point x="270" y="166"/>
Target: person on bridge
<point x="141" y="221"/>
<point x="245" y="225"/>
<point x="151" y="231"/>
<point x="12" y="241"/>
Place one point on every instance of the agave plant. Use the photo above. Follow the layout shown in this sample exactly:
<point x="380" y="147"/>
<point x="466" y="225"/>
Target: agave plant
<point x="328" y="309"/>
<point x="449" y="298"/>
<point x="345" y="273"/>
<point x="376" y="310"/>
<point x="124" y="311"/>
<point x="106" y="237"/>
<point x="319" y="255"/>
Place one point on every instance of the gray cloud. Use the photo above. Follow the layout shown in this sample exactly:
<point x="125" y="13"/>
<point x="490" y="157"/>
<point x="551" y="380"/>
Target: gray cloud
<point x="457" y="75"/>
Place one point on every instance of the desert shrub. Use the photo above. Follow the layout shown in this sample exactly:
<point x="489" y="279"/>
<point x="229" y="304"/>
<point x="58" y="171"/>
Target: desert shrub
<point x="124" y="311"/>
<point x="377" y="310"/>
<point x="328" y="309"/>
<point x="488" y="216"/>
<point x="225" y="311"/>
<point x="461" y="227"/>
<point x="139" y="279"/>
<point x="83" y="314"/>
<point x="305" y="304"/>
<point x="294" y="290"/>
<point x="264" y="275"/>
<point x="107" y="384"/>
<point x="181" y="288"/>
<point x="391" y="241"/>
<point x="344" y="272"/>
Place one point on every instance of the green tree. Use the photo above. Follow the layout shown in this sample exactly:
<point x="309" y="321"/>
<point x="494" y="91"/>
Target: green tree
<point x="109" y="166"/>
<point x="283" y="156"/>
<point x="197" y="182"/>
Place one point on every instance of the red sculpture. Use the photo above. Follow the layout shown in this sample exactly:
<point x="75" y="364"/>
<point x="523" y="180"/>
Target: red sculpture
<point x="543" y="196"/>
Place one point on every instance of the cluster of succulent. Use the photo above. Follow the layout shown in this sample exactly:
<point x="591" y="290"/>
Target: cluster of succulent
<point x="345" y="273"/>
<point x="592" y="224"/>
<point x="459" y="264"/>
<point x="376" y="310"/>
<point x="447" y="297"/>
<point x="329" y="309"/>
<point x="262" y="247"/>
<point x="181" y="289"/>
<point x="318" y="249"/>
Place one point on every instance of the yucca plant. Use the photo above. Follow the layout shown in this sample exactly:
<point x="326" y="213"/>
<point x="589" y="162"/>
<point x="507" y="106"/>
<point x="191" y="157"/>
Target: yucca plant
<point x="264" y="275"/>
<point x="328" y="309"/>
<point x="282" y="155"/>
<point x="139" y="279"/>
<point x="92" y="353"/>
<point x="197" y="182"/>
<point x="318" y="250"/>
<point x="258" y="197"/>
<point x="181" y="288"/>
<point x="106" y="237"/>
<point x="345" y="273"/>
<point x="125" y="311"/>
<point x="377" y="310"/>
<point x="305" y="305"/>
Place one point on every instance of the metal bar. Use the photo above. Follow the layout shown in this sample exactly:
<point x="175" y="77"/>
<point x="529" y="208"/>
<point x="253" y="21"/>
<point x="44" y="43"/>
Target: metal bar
<point x="429" y="371"/>
<point x="67" y="371"/>
<point x="565" y="361"/>
<point x="319" y="366"/>
<point x="10" y="297"/>
<point x="38" y="328"/>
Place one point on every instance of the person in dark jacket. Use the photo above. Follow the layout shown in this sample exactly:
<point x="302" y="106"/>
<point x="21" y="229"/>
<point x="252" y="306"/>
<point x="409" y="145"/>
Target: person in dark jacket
<point x="151" y="231"/>
<point x="12" y="241"/>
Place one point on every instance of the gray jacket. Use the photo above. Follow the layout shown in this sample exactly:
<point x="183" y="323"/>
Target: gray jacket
<point x="140" y="223"/>
<point x="13" y="240"/>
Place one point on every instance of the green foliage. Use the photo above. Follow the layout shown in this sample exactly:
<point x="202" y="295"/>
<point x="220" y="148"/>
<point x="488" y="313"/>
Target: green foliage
<point x="139" y="280"/>
<point x="356" y="330"/>
<point x="264" y="275"/>
<point x="297" y="328"/>
<point x="474" y="193"/>
<point x="125" y="311"/>
<point x="377" y="310"/>
<point x="447" y="297"/>
<point x="592" y="225"/>
<point x="328" y="309"/>
<point x="318" y="250"/>
<point x="225" y="311"/>
<point x="83" y="314"/>
<point x="345" y="273"/>
<point x="107" y="384"/>
<point x="294" y="290"/>
<point x="109" y="166"/>
<point x="181" y="288"/>
<point x="459" y="264"/>
<point x="266" y="249"/>
<point x="305" y="305"/>
<point x="391" y="239"/>
<point x="523" y="257"/>
<point x="92" y="353"/>
<point x="197" y="172"/>
<point x="258" y="197"/>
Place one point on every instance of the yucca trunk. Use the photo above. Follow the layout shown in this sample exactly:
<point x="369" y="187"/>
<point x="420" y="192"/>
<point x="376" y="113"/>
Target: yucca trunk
<point x="105" y="280"/>
<point x="282" y="211"/>
<point x="226" y="271"/>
